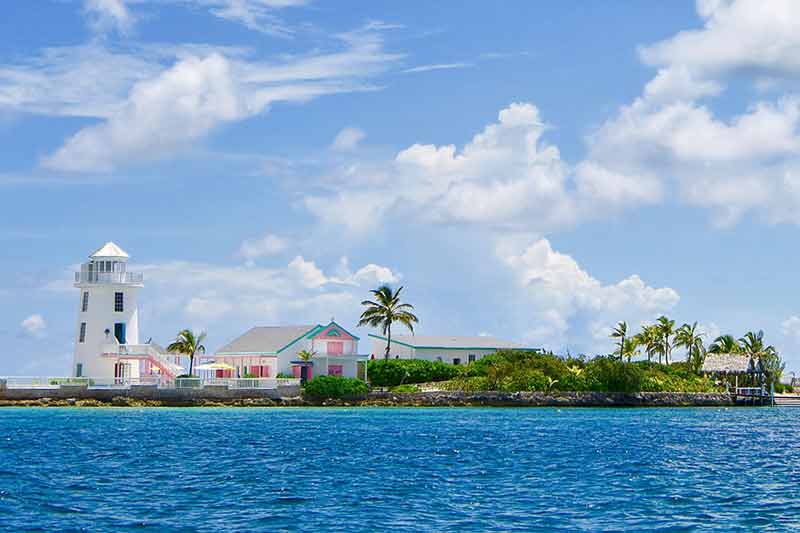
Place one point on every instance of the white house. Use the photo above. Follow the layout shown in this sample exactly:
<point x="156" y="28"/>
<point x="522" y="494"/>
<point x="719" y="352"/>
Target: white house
<point x="107" y="329"/>
<point x="272" y="350"/>
<point x="453" y="350"/>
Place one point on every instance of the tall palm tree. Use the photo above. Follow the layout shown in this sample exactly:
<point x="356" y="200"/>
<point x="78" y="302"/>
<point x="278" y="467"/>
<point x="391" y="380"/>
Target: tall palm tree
<point x="688" y="337"/>
<point x="620" y="332"/>
<point x="666" y="330"/>
<point x="725" y="344"/>
<point x="189" y="344"/>
<point x="385" y="310"/>
<point x="752" y="345"/>
<point x="630" y="349"/>
<point x="650" y="339"/>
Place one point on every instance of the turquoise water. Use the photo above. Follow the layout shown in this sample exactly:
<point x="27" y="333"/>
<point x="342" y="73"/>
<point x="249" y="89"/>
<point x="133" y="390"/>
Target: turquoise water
<point x="399" y="469"/>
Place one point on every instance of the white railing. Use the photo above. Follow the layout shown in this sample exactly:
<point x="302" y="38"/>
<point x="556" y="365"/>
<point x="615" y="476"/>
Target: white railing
<point x="34" y="382"/>
<point x="121" y="278"/>
<point x="252" y="383"/>
<point x="27" y="382"/>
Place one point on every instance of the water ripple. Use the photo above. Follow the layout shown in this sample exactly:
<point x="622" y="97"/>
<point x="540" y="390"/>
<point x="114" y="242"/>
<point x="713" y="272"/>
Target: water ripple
<point x="476" y="469"/>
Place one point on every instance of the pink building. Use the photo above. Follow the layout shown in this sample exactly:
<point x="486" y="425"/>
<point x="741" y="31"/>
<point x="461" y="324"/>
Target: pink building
<point x="273" y="350"/>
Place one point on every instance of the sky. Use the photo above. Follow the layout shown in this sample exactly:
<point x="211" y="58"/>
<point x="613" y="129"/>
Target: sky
<point x="532" y="171"/>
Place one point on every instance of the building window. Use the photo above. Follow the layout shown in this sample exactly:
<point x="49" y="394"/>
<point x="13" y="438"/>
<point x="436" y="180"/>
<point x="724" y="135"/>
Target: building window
<point x="471" y="358"/>
<point x="82" y="334"/>
<point x="79" y="370"/>
<point x="118" y="302"/>
<point x="85" y="302"/>
<point x="456" y="361"/>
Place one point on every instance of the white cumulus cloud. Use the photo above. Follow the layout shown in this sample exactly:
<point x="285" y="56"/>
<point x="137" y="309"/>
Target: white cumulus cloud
<point x="556" y="291"/>
<point x="34" y="326"/>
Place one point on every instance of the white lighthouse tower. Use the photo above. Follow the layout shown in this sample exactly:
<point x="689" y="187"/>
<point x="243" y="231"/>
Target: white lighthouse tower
<point x="108" y="316"/>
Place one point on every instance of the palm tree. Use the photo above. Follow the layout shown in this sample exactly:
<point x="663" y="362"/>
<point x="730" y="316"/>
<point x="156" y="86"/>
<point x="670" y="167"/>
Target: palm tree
<point x="725" y="344"/>
<point x="666" y="329"/>
<point x="688" y="337"/>
<point x="752" y="345"/>
<point x="650" y="339"/>
<point x="385" y="311"/>
<point x="187" y="343"/>
<point x="620" y="332"/>
<point x="306" y="355"/>
<point x="631" y="348"/>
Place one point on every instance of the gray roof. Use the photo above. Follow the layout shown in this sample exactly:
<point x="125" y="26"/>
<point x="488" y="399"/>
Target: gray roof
<point x="442" y="341"/>
<point x="268" y="339"/>
<point x="728" y="363"/>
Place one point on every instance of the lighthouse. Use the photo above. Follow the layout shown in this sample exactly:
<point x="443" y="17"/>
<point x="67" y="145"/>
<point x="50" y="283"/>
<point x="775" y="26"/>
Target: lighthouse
<point x="108" y="316"/>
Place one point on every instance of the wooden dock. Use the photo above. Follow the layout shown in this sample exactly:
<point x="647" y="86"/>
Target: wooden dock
<point x="787" y="400"/>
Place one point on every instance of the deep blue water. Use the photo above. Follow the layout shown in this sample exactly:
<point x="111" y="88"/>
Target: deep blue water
<point x="399" y="469"/>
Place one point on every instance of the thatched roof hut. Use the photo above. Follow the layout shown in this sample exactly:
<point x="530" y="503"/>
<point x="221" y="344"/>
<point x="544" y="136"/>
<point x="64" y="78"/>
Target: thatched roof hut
<point x="728" y="363"/>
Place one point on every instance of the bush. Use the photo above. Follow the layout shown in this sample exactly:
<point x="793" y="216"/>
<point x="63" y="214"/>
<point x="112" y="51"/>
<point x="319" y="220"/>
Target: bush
<point x="249" y="375"/>
<point x="611" y="375"/>
<point x="325" y="387"/>
<point x="393" y="372"/>
<point x="405" y="389"/>
<point x="283" y="375"/>
<point x="467" y="384"/>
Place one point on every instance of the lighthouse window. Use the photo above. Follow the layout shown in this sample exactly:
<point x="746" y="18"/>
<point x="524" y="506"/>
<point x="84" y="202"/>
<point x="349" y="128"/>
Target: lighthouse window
<point x="85" y="302"/>
<point x="118" y="302"/>
<point x="82" y="334"/>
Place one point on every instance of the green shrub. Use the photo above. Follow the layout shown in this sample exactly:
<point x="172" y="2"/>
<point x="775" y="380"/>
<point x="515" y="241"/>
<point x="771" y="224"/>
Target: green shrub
<point x="283" y="375"/>
<point x="611" y="375"/>
<point x="405" y="389"/>
<point x="393" y="372"/>
<point x="325" y="387"/>
<point x="467" y="384"/>
<point x="249" y="375"/>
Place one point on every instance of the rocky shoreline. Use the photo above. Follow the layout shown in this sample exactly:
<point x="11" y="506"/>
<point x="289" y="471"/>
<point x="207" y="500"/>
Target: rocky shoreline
<point x="420" y="399"/>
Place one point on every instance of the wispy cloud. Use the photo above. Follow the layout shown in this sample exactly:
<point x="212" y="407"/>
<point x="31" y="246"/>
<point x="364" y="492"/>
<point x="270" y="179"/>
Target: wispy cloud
<point x="437" y="66"/>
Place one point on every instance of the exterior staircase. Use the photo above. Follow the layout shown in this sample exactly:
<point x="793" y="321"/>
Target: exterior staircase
<point x="147" y="352"/>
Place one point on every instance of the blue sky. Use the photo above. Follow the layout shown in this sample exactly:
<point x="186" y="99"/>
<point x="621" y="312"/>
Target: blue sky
<point x="527" y="170"/>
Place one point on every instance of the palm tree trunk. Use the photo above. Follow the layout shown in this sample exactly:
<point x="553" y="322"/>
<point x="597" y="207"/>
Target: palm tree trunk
<point x="388" y="341"/>
<point x="191" y="363"/>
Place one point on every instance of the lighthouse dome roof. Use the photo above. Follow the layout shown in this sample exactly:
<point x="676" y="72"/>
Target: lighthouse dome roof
<point x="109" y="250"/>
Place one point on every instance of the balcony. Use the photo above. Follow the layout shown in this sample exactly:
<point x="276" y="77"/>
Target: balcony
<point x="85" y="277"/>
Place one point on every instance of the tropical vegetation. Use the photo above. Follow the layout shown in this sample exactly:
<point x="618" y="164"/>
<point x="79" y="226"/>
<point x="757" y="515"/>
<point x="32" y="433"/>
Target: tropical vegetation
<point x="386" y="309"/>
<point x="188" y="343"/>
<point x="394" y="372"/>
<point x="325" y="387"/>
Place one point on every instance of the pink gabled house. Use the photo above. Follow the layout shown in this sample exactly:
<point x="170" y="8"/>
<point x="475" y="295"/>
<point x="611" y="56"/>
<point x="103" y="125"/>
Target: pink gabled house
<point x="272" y="350"/>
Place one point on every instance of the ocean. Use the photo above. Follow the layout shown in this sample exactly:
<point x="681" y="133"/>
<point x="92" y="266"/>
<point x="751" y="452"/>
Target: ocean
<point x="399" y="469"/>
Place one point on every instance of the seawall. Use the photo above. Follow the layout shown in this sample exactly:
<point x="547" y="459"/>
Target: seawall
<point x="556" y="399"/>
<point x="152" y="396"/>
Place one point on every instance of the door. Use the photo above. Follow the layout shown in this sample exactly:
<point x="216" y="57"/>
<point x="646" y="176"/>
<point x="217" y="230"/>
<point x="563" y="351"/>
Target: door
<point x="119" y="332"/>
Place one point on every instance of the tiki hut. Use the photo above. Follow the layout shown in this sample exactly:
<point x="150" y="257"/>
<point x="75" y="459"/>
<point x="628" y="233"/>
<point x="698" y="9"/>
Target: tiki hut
<point x="726" y="364"/>
<point x="732" y="364"/>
